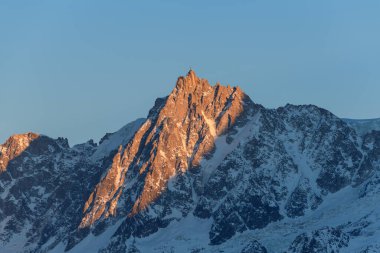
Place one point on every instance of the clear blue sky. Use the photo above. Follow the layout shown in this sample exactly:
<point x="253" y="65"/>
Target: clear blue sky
<point x="79" y="69"/>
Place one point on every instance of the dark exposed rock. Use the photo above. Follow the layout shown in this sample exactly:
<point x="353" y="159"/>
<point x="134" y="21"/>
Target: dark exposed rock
<point x="254" y="247"/>
<point x="320" y="241"/>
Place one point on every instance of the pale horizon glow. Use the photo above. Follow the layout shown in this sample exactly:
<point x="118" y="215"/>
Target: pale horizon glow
<point x="80" y="69"/>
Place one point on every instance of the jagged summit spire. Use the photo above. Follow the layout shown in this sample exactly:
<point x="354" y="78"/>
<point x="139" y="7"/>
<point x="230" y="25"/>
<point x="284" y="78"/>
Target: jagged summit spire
<point x="191" y="83"/>
<point x="191" y="73"/>
<point x="188" y="82"/>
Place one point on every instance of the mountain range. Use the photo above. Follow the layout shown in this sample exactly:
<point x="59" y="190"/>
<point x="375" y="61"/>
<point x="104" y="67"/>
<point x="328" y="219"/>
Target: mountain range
<point x="208" y="170"/>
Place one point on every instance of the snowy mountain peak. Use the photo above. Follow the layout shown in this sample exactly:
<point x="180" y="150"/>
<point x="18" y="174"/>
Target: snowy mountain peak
<point x="207" y="171"/>
<point x="178" y="134"/>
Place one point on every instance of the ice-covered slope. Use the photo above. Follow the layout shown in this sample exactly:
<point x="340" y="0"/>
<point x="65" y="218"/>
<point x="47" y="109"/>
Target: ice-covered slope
<point x="111" y="141"/>
<point x="207" y="171"/>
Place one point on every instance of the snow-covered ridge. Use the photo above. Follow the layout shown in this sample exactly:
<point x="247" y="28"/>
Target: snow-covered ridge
<point x="121" y="137"/>
<point x="363" y="126"/>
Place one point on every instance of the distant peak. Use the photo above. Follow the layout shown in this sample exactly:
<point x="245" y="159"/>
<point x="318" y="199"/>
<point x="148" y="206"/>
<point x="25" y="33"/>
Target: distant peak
<point x="25" y="137"/>
<point x="14" y="146"/>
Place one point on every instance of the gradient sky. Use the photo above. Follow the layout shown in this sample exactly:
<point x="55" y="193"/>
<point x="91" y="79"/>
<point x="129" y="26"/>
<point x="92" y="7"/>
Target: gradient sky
<point x="79" y="69"/>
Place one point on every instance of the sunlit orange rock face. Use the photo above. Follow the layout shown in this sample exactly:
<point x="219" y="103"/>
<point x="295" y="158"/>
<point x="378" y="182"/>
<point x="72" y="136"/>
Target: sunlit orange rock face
<point x="13" y="147"/>
<point x="179" y="132"/>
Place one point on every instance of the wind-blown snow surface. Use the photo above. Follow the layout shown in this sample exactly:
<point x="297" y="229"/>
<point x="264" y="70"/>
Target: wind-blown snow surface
<point x="91" y="243"/>
<point x="293" y="179"/>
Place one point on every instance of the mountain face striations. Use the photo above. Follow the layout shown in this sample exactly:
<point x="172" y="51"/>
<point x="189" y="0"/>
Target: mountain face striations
<point x="208" y="170"/>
